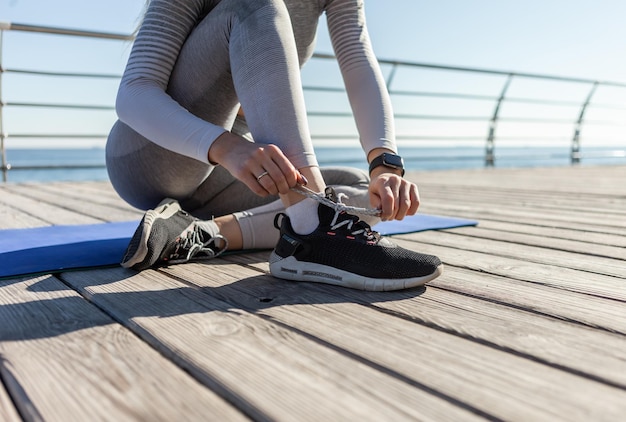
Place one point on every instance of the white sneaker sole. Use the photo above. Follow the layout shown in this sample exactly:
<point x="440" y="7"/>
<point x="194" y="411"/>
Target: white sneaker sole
<point x="291" y="269"/>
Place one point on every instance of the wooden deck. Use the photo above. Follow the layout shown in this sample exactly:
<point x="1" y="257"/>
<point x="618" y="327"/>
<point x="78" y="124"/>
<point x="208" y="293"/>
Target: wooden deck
<point x="527" y="323"/>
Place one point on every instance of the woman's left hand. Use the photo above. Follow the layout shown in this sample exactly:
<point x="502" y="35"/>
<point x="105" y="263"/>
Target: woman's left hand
<point x="394" y="196"/>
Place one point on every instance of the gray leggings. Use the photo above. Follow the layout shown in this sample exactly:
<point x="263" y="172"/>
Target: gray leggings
<point x="212" y="75"/>
<point x="142" y="185"/>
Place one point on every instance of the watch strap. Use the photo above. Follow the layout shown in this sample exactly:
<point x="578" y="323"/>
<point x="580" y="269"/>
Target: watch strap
<point x="387" y="160"/>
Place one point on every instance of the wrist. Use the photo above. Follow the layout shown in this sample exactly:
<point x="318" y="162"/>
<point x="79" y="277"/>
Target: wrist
<point x="221" y="146"/>
<point x="384" y="170"/>
<point x="386" y="162"/>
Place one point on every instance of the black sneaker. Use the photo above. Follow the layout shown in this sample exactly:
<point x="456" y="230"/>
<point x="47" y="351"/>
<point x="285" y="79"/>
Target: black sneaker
<point x="344" y="251"/>
<point x="169" y="235"/>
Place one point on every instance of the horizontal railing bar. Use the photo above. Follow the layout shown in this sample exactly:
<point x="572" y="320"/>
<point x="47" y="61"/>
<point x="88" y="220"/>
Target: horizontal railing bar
<point x="484" y="98"/>
<point x="54" y="167"/>
<point x="55" y="136"/>
<point x="49" y="105"/>
<point x="65" y="31"/>
<point x="323" y="88"/>
<point x="470" y="118"/>
<point x="485" y="71"/>
<point x="560" y="103"/>
<point x="434" y="94"/>
<point x="63" y="74"/>
<point x="442" y="95"/>
<point x="323" y="138"/>
<point x="402" y="137"/>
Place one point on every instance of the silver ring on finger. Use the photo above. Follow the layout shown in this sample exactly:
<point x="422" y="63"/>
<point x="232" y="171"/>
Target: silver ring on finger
<point x="260" y="176"/>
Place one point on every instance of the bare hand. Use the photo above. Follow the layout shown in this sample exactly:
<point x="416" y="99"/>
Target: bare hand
<point x="393" y="195"/>
<point x="262" y="167"/>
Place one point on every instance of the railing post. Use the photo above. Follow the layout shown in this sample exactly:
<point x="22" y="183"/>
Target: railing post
<point x="490" y="158"/>
<point x="575" y="151"/>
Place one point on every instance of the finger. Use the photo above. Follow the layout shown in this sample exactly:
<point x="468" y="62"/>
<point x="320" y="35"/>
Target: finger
<point x="253" y="182"/>
<point x="289" y="174"/>
<point x="282" y="173"/>
<point x="403" y="203"/>
<point x="415" y="199"/>
<point x="387" y="199"/>
<point x="271" y="179"/>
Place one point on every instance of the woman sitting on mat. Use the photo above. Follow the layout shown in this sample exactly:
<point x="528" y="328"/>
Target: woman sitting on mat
<point x="209" y="177"/>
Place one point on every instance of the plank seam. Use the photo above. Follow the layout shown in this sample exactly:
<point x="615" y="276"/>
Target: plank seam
<point x="24" y="405"/>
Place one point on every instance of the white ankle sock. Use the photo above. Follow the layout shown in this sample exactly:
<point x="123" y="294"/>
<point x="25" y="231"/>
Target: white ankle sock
<point x="211" y="229"/>
<point x="303" y="216"/>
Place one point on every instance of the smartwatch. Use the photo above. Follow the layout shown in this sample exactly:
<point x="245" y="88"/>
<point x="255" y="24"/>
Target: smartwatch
<point x="388" y="160"/>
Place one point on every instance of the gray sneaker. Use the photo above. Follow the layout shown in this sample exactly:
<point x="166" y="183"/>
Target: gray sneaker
<point x="168" y="235"/>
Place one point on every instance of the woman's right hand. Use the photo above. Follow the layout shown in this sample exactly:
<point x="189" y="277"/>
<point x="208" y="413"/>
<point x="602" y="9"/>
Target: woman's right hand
<point x="262" y="167"/>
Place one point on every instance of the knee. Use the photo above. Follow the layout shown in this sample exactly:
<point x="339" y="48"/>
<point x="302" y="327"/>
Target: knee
<point x="346" y="176"/>
<point x="264" y="9"/>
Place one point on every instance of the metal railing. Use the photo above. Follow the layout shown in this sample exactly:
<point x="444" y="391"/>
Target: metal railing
<point x="392" y="69"/>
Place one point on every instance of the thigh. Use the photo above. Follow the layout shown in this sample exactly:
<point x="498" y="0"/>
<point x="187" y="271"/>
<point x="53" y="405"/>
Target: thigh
<point x="201" y="80"/>
<point x="144" y="174"/>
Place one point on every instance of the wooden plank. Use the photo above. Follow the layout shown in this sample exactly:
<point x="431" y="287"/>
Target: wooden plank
<point x="541" y="202"/>
<point x="534" y="254"/>
<point x="82" y="192"/>
<point x="13" y="218"/>
<point x="63" y="359"/>
<point x="542" y="241"/>
<point x="610" y="223"/>
<point x="48" y="214"/>
<point x="558" y="277"/>
<point x="102" y="212"/>
<point x="599" y="180"/>
<point x="558" y="233"/>
<point x="519" y="217"/>
<point x="569" y="306"/>
<point x="102" y="189"/>
<point x="271" y="370"/>
<point x="559" y="343"/>
<point x="492" y="381"/>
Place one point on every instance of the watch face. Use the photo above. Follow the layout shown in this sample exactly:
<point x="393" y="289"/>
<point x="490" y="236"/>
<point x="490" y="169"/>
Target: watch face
<point x="391" y="160"/>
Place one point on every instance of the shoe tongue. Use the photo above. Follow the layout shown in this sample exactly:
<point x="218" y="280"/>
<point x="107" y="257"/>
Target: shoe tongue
<point x="325" y="214"/>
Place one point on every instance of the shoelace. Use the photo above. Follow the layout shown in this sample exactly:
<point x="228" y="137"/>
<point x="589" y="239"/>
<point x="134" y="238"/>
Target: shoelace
<point x="341" y="209"/>
<point x="337" y="206"/>
<point x="193" y="244"/>
<point x="353" y="225"/>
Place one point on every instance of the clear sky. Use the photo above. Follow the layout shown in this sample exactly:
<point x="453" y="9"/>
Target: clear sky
<point x="578" y="38"/>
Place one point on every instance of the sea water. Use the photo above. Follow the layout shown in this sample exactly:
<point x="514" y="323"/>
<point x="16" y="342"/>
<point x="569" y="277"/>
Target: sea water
<point x="416" y="158"/>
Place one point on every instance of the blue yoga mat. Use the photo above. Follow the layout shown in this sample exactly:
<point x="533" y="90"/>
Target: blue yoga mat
<point x="51" y="249"/>
<point x="420" y="223"/>
<point x="55" y="248"/>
